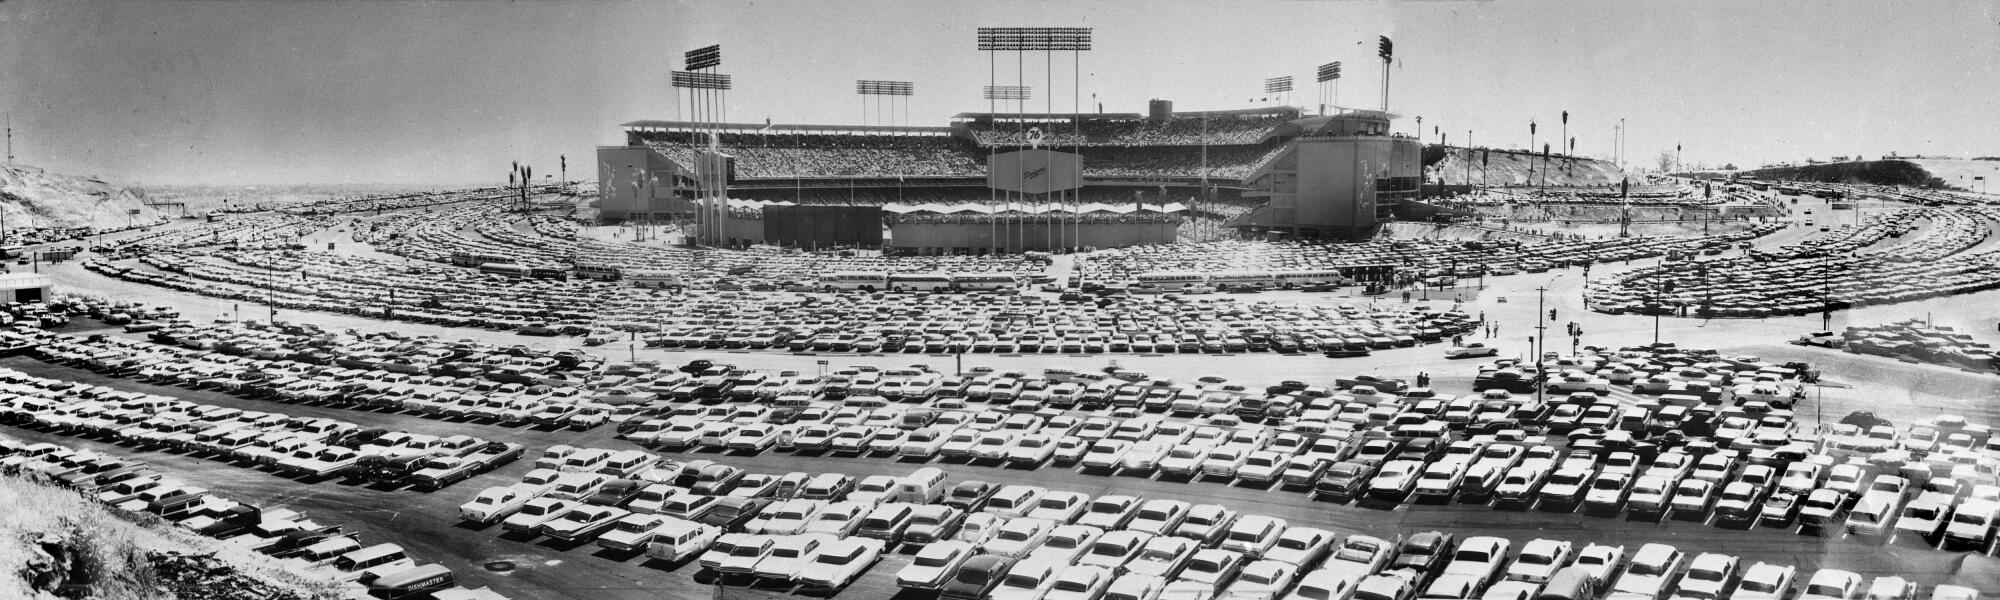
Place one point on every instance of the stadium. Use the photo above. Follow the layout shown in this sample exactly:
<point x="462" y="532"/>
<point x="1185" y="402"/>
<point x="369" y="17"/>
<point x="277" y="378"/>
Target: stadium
<point x="1004" y="182"/>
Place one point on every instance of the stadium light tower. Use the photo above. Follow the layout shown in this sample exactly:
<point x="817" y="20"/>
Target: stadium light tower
<point x="1278" y="87"/>
<point x="1022" y="40"/>
<point x="1329" y="72"/>
<point x="708" y="92"/>
<point x="1387" y="50"/>
<point x="879" y="89"/>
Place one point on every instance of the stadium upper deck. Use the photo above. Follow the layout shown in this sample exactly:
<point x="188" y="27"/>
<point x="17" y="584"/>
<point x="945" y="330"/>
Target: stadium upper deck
<point x="1223" y="145"/>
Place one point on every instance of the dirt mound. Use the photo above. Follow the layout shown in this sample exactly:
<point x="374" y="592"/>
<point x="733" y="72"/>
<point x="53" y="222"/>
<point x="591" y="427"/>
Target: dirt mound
<point x="56" y="544"/>
<point x="1506" y="167"/>
<point x="33" y="198"/>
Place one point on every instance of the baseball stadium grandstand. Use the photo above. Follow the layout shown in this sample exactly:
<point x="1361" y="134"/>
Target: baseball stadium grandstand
<point x="978" y="185"/>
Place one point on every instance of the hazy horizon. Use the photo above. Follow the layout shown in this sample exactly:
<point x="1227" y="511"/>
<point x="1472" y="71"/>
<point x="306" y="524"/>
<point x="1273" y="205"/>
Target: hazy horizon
<point x="450" y="93"/>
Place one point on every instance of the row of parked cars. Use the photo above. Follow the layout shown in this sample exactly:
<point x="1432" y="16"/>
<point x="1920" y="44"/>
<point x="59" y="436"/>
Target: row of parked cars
<point x="1911" y="338"/>
<point x="310" y="449"/>
<point x="384" y="570"/>
<point x="977" y="539"/>
<point x="1851" y="266"/>
<point x="1429" y="259"/>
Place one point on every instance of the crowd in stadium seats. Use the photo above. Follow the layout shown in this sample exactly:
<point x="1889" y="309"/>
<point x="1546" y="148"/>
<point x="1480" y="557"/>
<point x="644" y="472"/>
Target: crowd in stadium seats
<point x="1186" y="131"/>
<point x="787" y="156"/>
<point x="915" y="195"/>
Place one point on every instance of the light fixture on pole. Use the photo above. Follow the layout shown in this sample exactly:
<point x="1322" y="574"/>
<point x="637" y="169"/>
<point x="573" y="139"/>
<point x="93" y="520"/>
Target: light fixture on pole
<point x="1277" y="87"/>
<point x="1387" y="50"/>
<point x="891" y="89"/>
<point x="1329" y="72"/>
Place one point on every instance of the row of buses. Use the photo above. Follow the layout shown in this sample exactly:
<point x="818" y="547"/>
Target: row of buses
<point x="918" y="282"/>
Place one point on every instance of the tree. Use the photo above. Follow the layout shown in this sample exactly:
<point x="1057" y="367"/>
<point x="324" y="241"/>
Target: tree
<point x="1666" y="160"/>
<point x="1729" y="167"/>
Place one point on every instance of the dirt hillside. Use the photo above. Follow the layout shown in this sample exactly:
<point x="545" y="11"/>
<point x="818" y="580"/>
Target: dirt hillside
<point x="31" y="198"/>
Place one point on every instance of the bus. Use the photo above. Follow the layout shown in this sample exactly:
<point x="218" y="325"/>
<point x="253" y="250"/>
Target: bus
<point x="983" y="281"/>
<point x="412" y="582"/>
<point x="1171" y="280"/>
<point x="470" y="259"/>
<point x="856" y="280"/>
<point x="504" y="269"/>
<point x="1299" y="278"/>
<point x="919" y="282"/>
<point x="655" y="279"/>
<point x="556" y="273"/>
<point x="1243" y="278"/>
<point x="597" y="272"/>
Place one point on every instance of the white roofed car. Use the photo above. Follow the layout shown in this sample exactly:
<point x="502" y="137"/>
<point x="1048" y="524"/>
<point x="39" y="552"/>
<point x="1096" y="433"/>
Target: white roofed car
<point x="1019" y="537"/>
<point x="934" y="563"/>
<point x="1765" y="581"/>
<point x="1253" y="535"/>
<point x="1539" y="560"/>
<point x="1206" y="573"/>
<point x="1158" y="516"/>
<point x="493" y="504"/>
<point x="839" y="562"/>
<point x="1015" y="501"/>
<point x="1080" y="582"/>
<point x="1479" y="557"/>
<point x="1301" y="546"/>
<point x="1832" y="584"/>
<point x="1061" y="506"/>
<point x="1325" y="584"/>
<point x="1114" y="549"/>
<point x="1066" y="543"/>
<point x="1649" y="574"/>
<point x="1707" y="576"/>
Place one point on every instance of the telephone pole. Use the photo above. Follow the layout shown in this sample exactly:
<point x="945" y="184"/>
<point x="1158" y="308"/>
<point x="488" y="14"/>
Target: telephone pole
<point x="1541" y="338"/>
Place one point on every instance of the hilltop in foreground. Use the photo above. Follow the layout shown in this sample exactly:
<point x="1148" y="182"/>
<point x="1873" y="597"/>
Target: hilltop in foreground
<point x="55" y="545"/>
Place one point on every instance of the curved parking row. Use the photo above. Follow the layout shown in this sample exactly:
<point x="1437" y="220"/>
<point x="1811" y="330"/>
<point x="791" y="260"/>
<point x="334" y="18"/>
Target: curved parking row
<point x="1429" y="258"/>
<point x="1841" y="270"/>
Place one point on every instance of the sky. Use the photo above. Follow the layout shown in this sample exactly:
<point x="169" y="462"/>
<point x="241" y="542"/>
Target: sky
<point x="453" y="92"/>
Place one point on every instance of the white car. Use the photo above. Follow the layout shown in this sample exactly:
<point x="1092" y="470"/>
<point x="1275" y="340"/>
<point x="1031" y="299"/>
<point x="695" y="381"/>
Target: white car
<point x="1019" y="537"/>
<point x="935" y="563"/>
<point x="1325" y="584"/>
<point x="1601" y="561"/>
<point x="1650" y="574"/>
<point x="1707" y="576"/>
<point x="1300" y="546"/>
<point x="1253" y="535"/>
<point x="1480" y="558"/>
<point x="790" y="556"/>
<point x="1015" y="501"/>
<point x="1158" y="516"/>
<point x="1765" y="581"/>
<point x="1081" y="582"/>
<point x="1066" y="543"/>
<point x="536" y="512"/>
<point x="1471" y="350"/>
<point x="1832" y="584"/>
<point x="1539" y="560"/>
<point x="1110" y="512"/>
<point x="1262" y="580"/>
<point x="1106" y="454"/>
<point x="840" y="561"/>
<point x="494" y="503"/>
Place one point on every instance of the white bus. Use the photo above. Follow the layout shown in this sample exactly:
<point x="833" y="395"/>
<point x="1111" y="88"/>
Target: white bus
<point x="1171" y="280"/>
<point x="856" y="280"/>
<point x="1242" y="278"/>
<point x="919" y="282"/>
<point x="1297" y="278"/>
<point x="984" y="281"/>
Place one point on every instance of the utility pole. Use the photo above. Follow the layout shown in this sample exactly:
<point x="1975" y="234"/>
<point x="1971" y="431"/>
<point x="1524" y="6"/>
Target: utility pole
<point x="10" y="139"/>
<point x="1541" y="338"/>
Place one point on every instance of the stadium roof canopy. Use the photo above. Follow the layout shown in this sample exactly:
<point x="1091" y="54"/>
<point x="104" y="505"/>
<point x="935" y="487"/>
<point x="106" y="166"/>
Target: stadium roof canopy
<point x="779" y="129"/>
<point x="1241" y="112"/>
<point x="1033" y="209"/>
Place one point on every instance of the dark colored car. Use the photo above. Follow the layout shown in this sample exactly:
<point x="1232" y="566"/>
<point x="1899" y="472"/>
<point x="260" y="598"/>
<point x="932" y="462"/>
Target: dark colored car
<point x="976" y="578"/>
<point x="616" y="492"/>
<point x="1426" y="552"/>
<point x="732" y="512"/>
<point x="970" y="495"/>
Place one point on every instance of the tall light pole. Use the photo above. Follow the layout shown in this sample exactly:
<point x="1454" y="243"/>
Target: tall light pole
<point x="1621" y="142"/>
<point x="1531" y="152"/>
<point x="1565" y="132"/>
